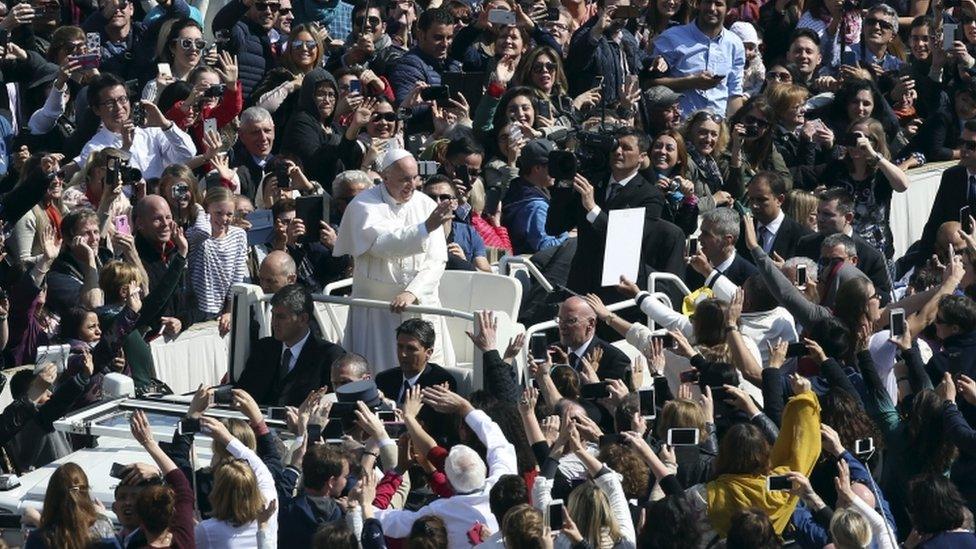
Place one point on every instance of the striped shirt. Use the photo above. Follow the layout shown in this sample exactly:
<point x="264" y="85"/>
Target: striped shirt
<point x="215" y="264"/>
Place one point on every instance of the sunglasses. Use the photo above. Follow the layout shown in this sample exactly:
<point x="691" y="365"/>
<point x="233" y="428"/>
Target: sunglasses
<point x="191" y="43"/>
<point x="753" y="121"/>
<point x="304" y="44"/>
<point x="387" y="116"/>
<point x="879" y="22"/>
<point x="266" y="6"/>
<point x="539" y="67"/>
<point x="779" y="76"/>
<point x="442" y="197"/>
<point x="372" y="20"/>
<point x="284" y="11"/>
<point x="703" y="115"/>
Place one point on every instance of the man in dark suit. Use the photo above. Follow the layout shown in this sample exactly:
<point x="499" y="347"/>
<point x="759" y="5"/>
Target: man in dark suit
<point x="415" y="345"/>
<point x="586" y="210"/>
<point x="716" y="251"/>
<point x="835" y="215"/>
<point x="776" y="233"/>
<point x="956" y="190"/>
<point x="283" y="369"/>
<point x="577" y="334"/>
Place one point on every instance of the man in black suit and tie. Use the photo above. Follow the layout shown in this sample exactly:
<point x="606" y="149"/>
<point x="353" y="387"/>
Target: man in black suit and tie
<point x="716" y="251"/>
<point x="835" y="215"/>
<point x="577" y="334"/>
<point x="585" y="207"/>
<point x="283" y="369"/>
<point x="956" y="190"/>
<point x="415" y="345"/>
<point x="776" y="233"/>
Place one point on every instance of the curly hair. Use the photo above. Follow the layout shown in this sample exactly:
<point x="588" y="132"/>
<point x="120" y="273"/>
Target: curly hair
<point x="844" y="413"/>
<point x="626" y="461"/>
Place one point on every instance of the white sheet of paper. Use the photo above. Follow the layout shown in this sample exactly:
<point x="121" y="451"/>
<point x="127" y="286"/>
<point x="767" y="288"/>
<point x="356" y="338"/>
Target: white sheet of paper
<point x="621" y="256"/>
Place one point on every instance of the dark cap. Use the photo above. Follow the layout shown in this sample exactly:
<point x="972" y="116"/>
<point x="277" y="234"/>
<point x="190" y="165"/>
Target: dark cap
<point x="660" y="97"/>
<point x="364" y="390"/>
<point x="535" y="152"/>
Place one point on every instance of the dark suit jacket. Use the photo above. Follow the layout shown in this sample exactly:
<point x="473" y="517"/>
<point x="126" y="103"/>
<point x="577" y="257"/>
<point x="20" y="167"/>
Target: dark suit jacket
<point x="311" y="371"/>
<point x="613" y="365"/>
<point x="391" y="381"/>
<point x="740" y="269"/>
<point x="784" y="243"/>
<point x="566" y="212"/>
<point x="952" y="195"/>
<point x="869" y="259"/>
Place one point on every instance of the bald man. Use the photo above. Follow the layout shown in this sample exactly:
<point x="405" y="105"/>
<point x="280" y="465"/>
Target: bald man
<point x="395" y="236"/>
<point x="277" y="271"/>
<point x="577" y="335"/>
<point x="153" y="224"/>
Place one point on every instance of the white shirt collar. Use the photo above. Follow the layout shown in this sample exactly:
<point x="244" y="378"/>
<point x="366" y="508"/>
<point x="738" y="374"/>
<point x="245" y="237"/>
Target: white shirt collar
<point x="773" y="225"/>
<point x="623" y="182"/>
<point x="295" y="349"/>
<point x="723" y="266"/>
<point x="582" y="348"/>
<point x="413" y="380"/>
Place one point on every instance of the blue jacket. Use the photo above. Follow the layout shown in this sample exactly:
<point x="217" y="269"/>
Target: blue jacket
<point x="252" y="46"/>
<point x="416" y="66"/>
<point x="590" y="58"/>
<point x="958" y="356"/>
<point x="300" y="517"/>
<point x="524" y="211"/>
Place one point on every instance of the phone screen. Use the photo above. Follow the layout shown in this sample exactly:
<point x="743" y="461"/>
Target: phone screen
<point x="778" y="483"/>
<point x="682" y="437"/>
<point x="692" y="246"/>
<point x="646" y="402"/>
<point x="555" y="514"/>
<point x="801" y="276"/>
<point x="538" y="346"/>
<point x="595" y="390"/>
<point x="964" y="214"/>
<point x="897" y="320"/>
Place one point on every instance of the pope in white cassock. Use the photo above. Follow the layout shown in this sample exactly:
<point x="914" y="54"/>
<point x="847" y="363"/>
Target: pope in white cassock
<point x="395" y="235"/>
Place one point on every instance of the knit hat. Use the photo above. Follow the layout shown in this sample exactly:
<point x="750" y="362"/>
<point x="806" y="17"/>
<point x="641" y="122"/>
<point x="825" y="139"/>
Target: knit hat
<point x="746" y="32"/>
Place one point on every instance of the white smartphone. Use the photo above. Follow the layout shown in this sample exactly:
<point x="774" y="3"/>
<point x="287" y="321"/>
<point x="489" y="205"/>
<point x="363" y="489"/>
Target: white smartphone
<point x="801" y="277"/>
<point x="647" y="403"/>
<point x="682" y="437"/>
<point x="863" y="446"/>
<point x="164" y="70"/>
<point x="554" y="515"/>
<point x="896" y="320"/>
<point x="948" y="35"/>
<point x="209" y="125"/>
<point x="501" y="17"/>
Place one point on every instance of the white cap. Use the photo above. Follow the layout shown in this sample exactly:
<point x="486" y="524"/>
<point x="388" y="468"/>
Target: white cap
<point x="392" y="157"/>
<point x="745" y="31"/>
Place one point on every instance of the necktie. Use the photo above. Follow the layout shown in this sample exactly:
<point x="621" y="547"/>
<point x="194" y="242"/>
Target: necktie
<point x="403" y="391"/>
<point x="285" y="364"/>
<point x="615" y="189"/>
<point x="574" y="361"/>
<point x="767" y="238"/>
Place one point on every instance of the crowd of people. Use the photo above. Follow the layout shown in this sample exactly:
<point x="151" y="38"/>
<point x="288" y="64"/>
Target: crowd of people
<point x="815" y="388"/>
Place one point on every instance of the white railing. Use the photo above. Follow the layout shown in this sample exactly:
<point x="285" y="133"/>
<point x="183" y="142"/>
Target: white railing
<point x="503" y="268"/>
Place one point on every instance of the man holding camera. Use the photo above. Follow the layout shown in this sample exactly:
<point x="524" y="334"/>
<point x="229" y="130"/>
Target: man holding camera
<point x="706" y="78"/>
<point x="603" y="47"/>
<point x="585" y="208"/>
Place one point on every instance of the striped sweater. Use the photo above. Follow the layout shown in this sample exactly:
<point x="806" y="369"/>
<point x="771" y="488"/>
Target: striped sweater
<point x="215" y="264"/>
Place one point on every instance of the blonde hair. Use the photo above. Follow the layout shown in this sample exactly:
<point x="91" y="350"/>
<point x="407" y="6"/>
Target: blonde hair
<point x="523" y="527"/>
<point x="681" y="413"/>
<point x="784" y="97"/>
<point x="116" y="275"/>
<point x="235" y="497"/>
<point x="216" y="195"/>
<point x="240" y="430"/>
<point x="800" y="204"/>
<point x="849" y="529"/>
<point x="590" y="510"/>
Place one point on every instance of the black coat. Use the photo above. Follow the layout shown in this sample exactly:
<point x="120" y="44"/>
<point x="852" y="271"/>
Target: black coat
<point x="311" y="371"/>
<point x="566" y="212"/>
<point x="390" y="382"/>
<point x="740" y="269"/>
<point x="869" y="260"/>
<point x="613" y="365"/>
<point x="953" y="194"/>
<point x="784" y="243"/>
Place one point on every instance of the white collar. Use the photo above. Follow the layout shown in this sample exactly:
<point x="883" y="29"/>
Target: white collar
<point x="774" y="225"/>
<point x="413" y="380"/>
<point x="623" y="182"/>
<point x="723" y="266"/>
<point x="296" y="349"/>
<point x="582" y="348"/>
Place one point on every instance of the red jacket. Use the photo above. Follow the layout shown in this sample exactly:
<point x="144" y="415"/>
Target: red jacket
<point x="227" y="109"/>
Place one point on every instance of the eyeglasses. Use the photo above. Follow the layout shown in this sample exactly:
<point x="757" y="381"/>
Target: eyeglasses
<point x="558" y="26"/>
<point x="304" y="44"/>
<point x="543" y="66"/>
<point x="361" y="20"/>
<point x="442" y="197"/>
<point x="118" y="102"/>
<point x="265" y="6"/>
<point x="875" y="296"/>
<point x="191" y="43"/>
<point x="879" y="22"/>
<point x="779" y="76"/>
<point x="566" y="321"/>
<point x="751" y="120"/>
<point x="325" y="95"/>
<point x="73" y="47"/>
<point x="284" y="11"/>
<point x="387" y="116"/>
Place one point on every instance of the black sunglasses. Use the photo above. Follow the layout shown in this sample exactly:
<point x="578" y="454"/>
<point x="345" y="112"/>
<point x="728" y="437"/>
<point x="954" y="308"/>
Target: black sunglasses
<point x="543" y="66"/>
<point x="388" y="116"/>
<point x="880" y="22"/>
<point x="753" y="121"/>
<point x="264" y="6"/>
<point x="442" y="197"/>
<point x="372" y="20"/>
<point x="284" y="11"/>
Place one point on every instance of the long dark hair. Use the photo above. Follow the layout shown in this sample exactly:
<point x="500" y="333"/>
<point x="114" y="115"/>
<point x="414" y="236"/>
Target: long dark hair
<point x="925" y="434"/>
<point x="759" y="151"/>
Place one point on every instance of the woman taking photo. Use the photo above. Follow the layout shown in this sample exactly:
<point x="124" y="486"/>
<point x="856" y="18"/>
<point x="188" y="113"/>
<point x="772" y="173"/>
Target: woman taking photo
<point x="752" y="146"/>
<point x="669" y="168"/>
<point x="802" y="144"/>
<point x="203" y="104"/>
<point x="178" y="186"/>
<point x="71" y="518"/>
<point x="91" y="189"/>
<point x="279" y="91"/>
<point x="857" y="99"/>
<point x="869" y="176"/>
<point x="217" y="257"/>
<point x="543" y="70"/>
<point x="707" y="139"/>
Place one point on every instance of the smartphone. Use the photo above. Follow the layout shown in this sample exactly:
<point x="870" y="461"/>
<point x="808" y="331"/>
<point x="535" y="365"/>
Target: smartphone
<point x="333" y="431"/>
<point x="688" y="376"/>
<point x="386" y="416"/>
<point x="118" y="471"/>
<point x="356" y="86"/>
<point x="683" y="436"/>
<point x="598" y="82"/>
<point x="121" y="223"/>
<point x="313" y="433"/>
<point x="594" y="391"/>
<point x="612" y="438"/>
<point x="223" y="394"/>
<point x="164" y="70"/>
<point x="848" y="58"/>
<point x="188" y="425"/>
<point x="863" y="446"/>
<point x="395" y="428"/>
<point x="493" y="197"/>
<point x="215" y="91"/>
<point x="88" y="60"/>
<point x="667" y="340"/>
<point x="796" y="350"/>
<point x="209" y="125"/>
<point x="427" y="167"/>
<point x="778" y="483"/>
<point x="340" y="410"/>
<point x="896" y="319"/>
<point x="462" y="174"/>
<point x="647" y="409"/>
<point x="93" y="43"/>
<point x="948" y="35"/>
<point x="279" y="413"/>
<point x="719" y="394"/>
<point x="554" y="514"/>
<point x="435" y="93"/>
<point x="544" y="109"/>
<point x="552" y="14"/>
<point x="539" y="347"/>
<point x="692" y="246"/>
<point x="501" y="17"/>
<point x="138" y="114"/>
<point x="801" y="276"/>
<point x="964" y="214"/>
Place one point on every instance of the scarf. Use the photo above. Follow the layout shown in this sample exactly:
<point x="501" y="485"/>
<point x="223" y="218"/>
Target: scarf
<point x="54" y="215"/>
<point x="711" y="175"/>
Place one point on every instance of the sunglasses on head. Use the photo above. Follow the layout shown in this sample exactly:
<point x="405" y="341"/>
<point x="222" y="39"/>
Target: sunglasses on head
<point x="388" y="116"/>
<point x="879" y="22"/>
<point x="191" y="43"/>
<point x="304" y="44"/>
<point x="265" y="6"/>
<point x="543" y="66"/>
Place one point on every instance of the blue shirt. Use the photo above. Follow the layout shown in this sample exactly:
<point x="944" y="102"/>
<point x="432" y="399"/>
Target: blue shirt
<point x="468" y="239"/>
<point x="336" y="16"/>
<point x="689" y="51"/>
<point x="866" y="57"/>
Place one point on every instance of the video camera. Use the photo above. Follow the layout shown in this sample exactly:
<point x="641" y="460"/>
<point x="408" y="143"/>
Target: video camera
<point x="586" y="152"/>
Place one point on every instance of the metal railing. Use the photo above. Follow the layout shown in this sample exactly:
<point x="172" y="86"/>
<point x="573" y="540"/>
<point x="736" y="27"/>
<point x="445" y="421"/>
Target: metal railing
<point x="504" y="262"/>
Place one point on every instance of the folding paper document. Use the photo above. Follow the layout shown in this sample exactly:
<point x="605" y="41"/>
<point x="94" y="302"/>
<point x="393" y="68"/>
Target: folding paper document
<point x="625" y="231"/>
